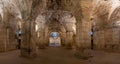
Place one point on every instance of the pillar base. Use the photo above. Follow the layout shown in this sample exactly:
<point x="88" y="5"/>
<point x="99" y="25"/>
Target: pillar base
<point x="28" y="54"/>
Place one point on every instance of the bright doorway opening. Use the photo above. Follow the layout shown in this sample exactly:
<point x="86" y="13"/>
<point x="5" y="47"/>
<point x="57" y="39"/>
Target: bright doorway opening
<point x="54" y="39"/>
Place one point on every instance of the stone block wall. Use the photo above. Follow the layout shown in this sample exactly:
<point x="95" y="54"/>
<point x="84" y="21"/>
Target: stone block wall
<point x="84" y="38"/>
<point x="107" y="39"/>
<point x="2" y="38"/>
<point x="12" y="41"/>
<point x="7" y="39"/>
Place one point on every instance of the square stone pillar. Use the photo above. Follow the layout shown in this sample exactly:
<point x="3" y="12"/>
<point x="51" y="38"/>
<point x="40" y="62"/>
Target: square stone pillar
<point x="28" y="45"/>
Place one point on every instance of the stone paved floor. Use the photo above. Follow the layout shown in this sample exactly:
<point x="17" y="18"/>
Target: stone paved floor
<point x="59" y="56"/>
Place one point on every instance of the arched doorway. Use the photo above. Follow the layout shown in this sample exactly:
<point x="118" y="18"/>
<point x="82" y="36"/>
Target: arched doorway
<point x="54" y="39"/>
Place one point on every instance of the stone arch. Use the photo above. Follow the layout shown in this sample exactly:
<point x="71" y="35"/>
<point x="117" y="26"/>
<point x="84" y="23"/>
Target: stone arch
<point x="40" y="30"/>
<point x="11" y="16"/>
<point x="69" y="23"/>
<point x="56" y="26"/>
<point x="115" y="16"/>
<point x="60" y="21"/>
<point x="103" y="28"/>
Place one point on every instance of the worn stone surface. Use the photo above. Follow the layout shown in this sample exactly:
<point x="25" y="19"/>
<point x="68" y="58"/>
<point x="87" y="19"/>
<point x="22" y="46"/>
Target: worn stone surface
<point x="72" y="19"/>
<point x="106" y="25"/>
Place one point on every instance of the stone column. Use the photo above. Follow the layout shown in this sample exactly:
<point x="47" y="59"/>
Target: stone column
<point x="63" y="38"/>
<point x="33" y="40"/>
<point x="42" y="39"/>
<point x="69" y="34"/>
<point x="46" y="37"/>
<point x="42" y="36"/>
<point x="69" y="39"/>
<point x="28" y="45"/>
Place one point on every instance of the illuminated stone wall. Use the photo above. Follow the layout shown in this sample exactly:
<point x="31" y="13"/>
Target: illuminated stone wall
<point x="106" y="25"/>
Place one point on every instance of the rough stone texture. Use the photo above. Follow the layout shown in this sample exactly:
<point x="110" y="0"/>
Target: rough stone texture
<point x="7" y="39"/>
<point x="71" y="18"/>
<point x="10" y="16"/>
<point x="106" y="25"/>
<point x="84" y="24"/>
<point x="2" y="38"/>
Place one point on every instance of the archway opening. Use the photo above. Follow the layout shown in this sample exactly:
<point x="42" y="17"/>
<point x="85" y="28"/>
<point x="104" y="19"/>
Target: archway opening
<point x="54" y="39"/>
